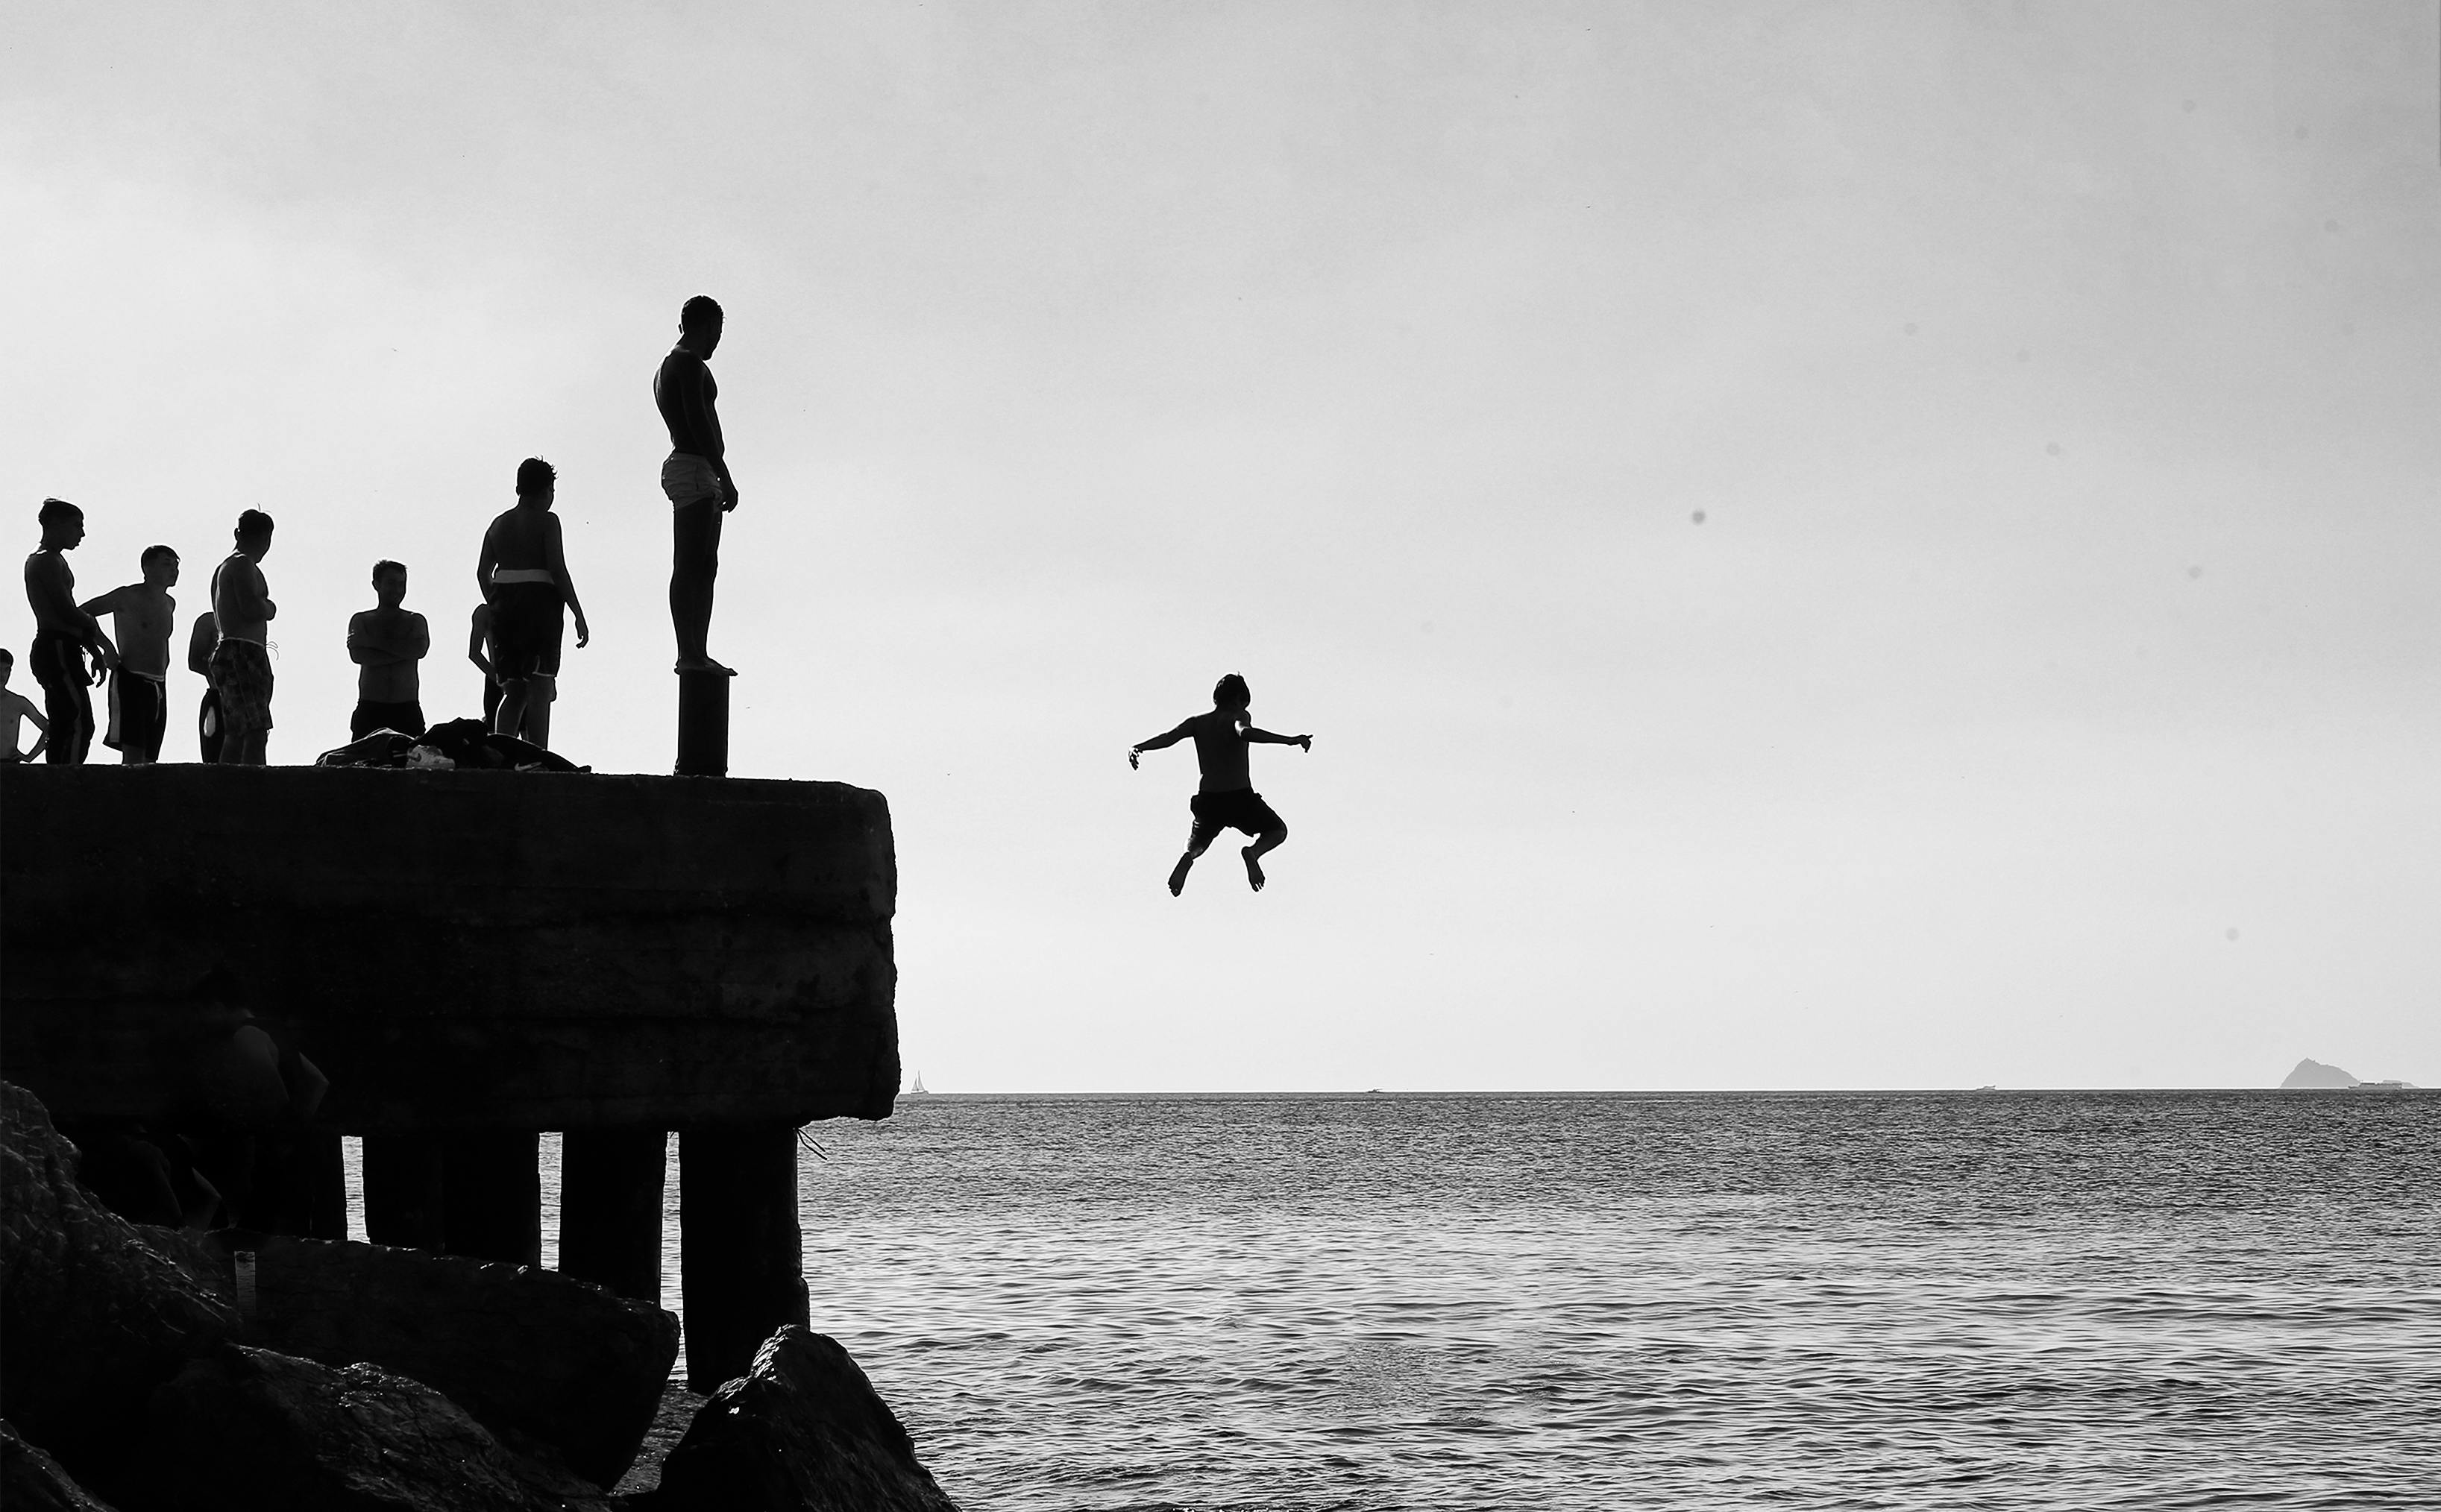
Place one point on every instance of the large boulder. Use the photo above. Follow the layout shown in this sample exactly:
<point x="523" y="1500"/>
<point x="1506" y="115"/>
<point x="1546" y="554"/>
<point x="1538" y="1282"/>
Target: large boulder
<point x="801" y="1430"/>
<point x="250" y="1431"/>
<point x="93" y="1318"/>
<point x="31" y="1481"/>
<point x="530" y="1353"/>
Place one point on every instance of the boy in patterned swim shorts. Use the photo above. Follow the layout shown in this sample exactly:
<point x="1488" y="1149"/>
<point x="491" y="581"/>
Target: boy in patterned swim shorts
<point x="1226" y="799"/>
<point x="241" y="664"/>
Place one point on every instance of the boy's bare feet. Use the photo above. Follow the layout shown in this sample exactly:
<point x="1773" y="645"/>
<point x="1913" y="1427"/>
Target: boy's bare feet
<point x="1178" y="875"/>
<point x="703" y="664"/>
<point x="1253" y="869"/>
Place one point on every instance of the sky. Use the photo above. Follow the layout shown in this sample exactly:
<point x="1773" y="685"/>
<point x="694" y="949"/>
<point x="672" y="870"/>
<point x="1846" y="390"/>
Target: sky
<point x="1819" y="546"/>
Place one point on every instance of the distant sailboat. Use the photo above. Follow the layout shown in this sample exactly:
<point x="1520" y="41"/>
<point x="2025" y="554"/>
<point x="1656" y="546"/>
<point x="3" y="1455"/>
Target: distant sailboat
<point x="919" y="1089"/>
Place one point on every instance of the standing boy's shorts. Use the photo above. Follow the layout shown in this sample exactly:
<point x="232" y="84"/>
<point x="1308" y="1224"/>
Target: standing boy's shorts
<point x="527" y="623"/>
<point x="59" y="667"/>
<point x="1242" y="809"/>
<point x="139" y="717"/>
<point x="695" y="496"/>
<point x="406" y="718"/>
<point x="241" y="674"/>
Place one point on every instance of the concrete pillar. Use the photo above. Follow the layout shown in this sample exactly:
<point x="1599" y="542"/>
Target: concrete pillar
<point x="402" y="1190"/>
<point x="703" y="724"/>
<point x="741" y="1259"/>
<point x="610" y="1209"/>
<point x="491" y="1195"/>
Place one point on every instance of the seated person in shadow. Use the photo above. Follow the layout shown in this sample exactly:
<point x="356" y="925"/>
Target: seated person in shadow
<point x="385" y="642"/>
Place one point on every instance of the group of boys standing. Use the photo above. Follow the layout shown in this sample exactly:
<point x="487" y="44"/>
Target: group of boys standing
<point x="514" y="639"/>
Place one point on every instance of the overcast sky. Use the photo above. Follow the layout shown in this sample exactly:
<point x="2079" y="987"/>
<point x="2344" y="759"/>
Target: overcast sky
<point x="1820" y="546"/>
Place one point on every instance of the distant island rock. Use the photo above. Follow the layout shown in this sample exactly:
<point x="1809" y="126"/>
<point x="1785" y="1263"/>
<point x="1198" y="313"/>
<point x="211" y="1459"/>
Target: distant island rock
<point x="2314" y="1073"/>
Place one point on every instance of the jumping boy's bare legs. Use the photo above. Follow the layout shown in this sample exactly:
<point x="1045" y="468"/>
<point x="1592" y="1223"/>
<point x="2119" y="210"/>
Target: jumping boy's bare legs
<point x="1178" y="874"/>
<point x="1264" y="843"/>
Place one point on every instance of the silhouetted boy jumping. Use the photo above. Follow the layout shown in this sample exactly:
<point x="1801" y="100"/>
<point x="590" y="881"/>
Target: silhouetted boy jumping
<point x="1226" y="798"/>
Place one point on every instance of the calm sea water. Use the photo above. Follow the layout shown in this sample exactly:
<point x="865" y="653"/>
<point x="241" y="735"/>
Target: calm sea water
<point x="1947" y="1300"/>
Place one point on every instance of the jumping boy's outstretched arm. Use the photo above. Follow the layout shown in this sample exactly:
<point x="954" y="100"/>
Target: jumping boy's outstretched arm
<point x="1264" y="737"/>
<point x="1170" y="737"/>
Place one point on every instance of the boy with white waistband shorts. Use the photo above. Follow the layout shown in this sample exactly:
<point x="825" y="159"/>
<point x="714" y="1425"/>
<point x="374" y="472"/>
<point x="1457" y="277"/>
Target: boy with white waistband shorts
<point x="696" y="478"/>
<point x="144" y="615"/>
<point x="523" y="573"/>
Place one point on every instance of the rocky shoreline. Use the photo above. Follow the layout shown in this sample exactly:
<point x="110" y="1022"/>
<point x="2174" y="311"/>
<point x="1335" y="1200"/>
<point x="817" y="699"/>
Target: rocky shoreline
<point x="160" y="1370"/>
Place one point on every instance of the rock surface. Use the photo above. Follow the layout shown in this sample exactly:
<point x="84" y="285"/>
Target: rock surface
<point x="2314" y="1073"/>
<point x="247" y="1428"/>
<point x="526" y="1352"/>
<point x="91" y="1318"/>
<point x="31" y="1481"/>
<point x="802" y="1430"/>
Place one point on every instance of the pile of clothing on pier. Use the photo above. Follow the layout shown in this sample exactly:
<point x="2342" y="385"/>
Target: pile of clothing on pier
<point x="460" y="743"/>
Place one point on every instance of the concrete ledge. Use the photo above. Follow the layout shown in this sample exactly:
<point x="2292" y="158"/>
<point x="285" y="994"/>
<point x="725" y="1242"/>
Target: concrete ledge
<point x="455" y="949"/>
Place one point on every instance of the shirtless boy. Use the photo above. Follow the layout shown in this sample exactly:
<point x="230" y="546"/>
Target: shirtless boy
<point x="696" y="477"/>
<point x="385" y="642"/>
<point x="63" y="632"/>
<point x="241" y="664"/>
<point x="15" y="708"/>
<point x="144" y="615"/>
<point x="523" y="573"/>
<point x="1226" y="798"/>
<point x="200" y="641"/>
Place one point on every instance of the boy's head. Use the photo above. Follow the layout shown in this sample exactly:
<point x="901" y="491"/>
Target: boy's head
<point x="699" y="321"/>
<point x="254" y="533"/>
<point x="1231" y="692"/>
<point x="537" y="480"/>
<point x="390" y="583"/>
<point x="160" y="566"/>
<point x="7" y="665"/>
<point x="62" y="525"/>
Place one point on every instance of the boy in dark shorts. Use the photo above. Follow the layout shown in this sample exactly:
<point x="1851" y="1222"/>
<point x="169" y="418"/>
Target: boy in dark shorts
<point x="241" y="663"/>
<point x="1226" y="798"/>
<point x="523" y="573"/>
<point x="144" y="615"/>
<point x="64" y="634"/>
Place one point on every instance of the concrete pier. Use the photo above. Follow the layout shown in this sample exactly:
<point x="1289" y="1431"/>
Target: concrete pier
<point x="472" y="957"/>
<point x="741" y="1256"/>
<point x="703" y="724"/>
<point x="491" y="1195"/>
<point x="610" y="1209"/>
<point x="403" y="1181"/>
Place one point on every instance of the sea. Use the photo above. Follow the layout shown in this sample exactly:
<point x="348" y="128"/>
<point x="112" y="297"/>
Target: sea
<point x="1342" y="1304"/>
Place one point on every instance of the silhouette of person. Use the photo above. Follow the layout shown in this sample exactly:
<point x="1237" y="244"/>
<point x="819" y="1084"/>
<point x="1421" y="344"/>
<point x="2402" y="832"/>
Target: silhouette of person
<point x="523" y="573"/>
<point x="15" y="708"/>
<point x="63" y="634"/>
<point x="385" y="642"/>
<point x="144" y="615"/>
<point x="241" y="663"/>
<point x="696" y="477"/>
<point x="200" y="643"/>
<point x="1225" y="799"/>
<point x="478" y="651"/>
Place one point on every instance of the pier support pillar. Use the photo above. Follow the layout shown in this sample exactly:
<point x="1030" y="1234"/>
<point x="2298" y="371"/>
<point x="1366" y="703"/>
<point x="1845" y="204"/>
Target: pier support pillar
<point x="741" y="1258"/>
<point x="703" y="724"/>
<point x="402" y="1190"/>
<point x="491" y="1195"/>
<point x="610" y="1209"/>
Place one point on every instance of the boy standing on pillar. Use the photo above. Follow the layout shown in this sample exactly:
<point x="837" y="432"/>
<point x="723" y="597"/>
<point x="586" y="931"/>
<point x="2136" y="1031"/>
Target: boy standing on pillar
<point x="696" y="477"/>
